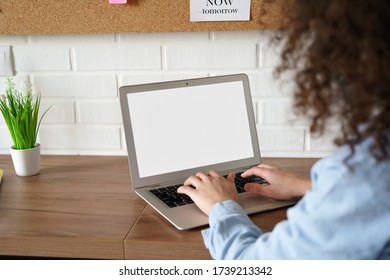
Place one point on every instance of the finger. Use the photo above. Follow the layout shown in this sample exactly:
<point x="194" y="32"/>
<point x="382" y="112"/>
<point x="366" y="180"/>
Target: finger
<point x="214" y="174"/>
<point x="261" y="170"/>
<point x="254" y="171"/>
<point x="201" y="175"/>
<point x="188" y="190"/>
<point x="266" y="166"/>
<point x="231" y="177"/>
<point x="193" y="181"/>
<point x="261" y="166"/>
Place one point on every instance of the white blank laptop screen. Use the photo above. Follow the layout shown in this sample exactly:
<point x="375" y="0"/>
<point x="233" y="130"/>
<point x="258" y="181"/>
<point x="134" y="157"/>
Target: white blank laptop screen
<point x="190" y="127"/>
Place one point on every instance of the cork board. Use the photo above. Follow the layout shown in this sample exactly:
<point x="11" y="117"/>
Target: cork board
<point x="33" y="17"/>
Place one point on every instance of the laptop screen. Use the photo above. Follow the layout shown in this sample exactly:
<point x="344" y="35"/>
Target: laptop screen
<point x="174" y="129"/>
<point x="183" y="128"/>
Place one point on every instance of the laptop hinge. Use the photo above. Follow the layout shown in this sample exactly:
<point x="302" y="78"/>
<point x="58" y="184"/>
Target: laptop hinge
<point x="151" y="186"/>
<point x="237" y="170"/>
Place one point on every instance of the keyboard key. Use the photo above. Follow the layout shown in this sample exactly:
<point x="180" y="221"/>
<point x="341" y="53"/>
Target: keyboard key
<point x="170" y="197"/>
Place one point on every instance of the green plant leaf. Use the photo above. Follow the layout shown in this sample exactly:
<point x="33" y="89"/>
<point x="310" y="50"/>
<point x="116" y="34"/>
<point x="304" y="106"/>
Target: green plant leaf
<point x="20" y="110"/>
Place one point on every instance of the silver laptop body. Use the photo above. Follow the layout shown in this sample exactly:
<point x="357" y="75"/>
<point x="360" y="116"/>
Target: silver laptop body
<point x="175" y="129"/>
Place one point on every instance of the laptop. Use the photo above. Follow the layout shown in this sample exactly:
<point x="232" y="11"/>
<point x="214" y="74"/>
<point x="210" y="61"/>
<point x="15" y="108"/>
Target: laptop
<point x="175" y="129"/>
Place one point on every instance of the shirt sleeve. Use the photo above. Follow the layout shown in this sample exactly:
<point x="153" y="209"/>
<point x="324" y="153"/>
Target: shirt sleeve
<point x="343" y="217"/>
<point x="231" y="231"/>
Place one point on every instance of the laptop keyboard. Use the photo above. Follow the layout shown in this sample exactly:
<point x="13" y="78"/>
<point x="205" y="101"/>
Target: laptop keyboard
<point x="169" y="196"/>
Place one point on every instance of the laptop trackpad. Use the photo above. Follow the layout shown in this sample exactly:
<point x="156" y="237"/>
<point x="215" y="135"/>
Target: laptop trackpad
<point x="252" y="203"/>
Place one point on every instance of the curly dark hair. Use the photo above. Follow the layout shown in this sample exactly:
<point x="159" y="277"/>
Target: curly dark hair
<point x="339" y="51"/>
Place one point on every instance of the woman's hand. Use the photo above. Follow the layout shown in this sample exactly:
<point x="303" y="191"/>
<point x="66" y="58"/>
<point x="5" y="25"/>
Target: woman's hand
<point x="206" y="190"/>
<point x="283" y="185"/>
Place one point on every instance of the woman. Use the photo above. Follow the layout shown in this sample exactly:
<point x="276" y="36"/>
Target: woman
<point x="339" y="50"/>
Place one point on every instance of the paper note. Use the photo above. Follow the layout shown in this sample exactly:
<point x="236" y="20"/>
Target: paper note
<point x="220" y="10"/>
<point x="117" y="1"/>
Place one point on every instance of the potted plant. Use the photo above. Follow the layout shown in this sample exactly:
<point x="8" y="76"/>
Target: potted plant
<point x="20" y="110"/>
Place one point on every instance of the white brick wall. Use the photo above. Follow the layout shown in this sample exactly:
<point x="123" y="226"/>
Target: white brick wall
<point x="38" y="58"/>
<point x="118" y="57"/>
<point x="211" y="55"/>
<point x="79" y="75"/>
<point x="76" y="85"/>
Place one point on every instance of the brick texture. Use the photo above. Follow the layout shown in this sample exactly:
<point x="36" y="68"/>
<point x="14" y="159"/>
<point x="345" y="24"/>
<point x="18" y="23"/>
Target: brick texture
<point x="79" y="75"/>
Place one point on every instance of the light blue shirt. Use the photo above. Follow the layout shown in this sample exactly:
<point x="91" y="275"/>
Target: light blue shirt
<point x="346" y="215"/>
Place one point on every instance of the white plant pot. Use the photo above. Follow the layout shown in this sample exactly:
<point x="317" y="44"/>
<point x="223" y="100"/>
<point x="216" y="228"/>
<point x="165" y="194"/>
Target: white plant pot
<point x="26" y="162"/>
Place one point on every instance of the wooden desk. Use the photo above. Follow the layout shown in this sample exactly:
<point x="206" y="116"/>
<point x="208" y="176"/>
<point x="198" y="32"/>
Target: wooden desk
<point x="84" y="207"/>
